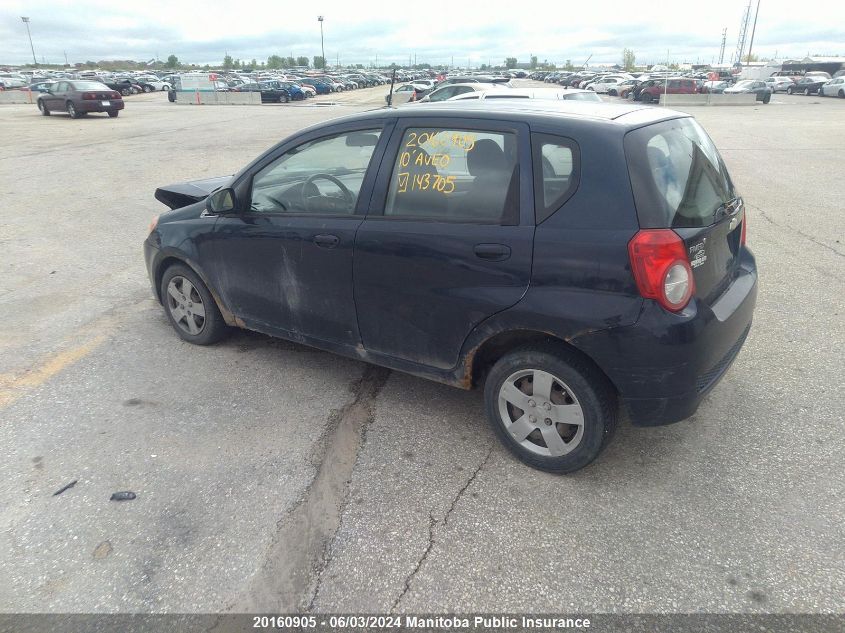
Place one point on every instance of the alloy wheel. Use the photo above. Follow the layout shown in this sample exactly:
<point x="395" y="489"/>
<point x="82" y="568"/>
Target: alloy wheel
<point x="541" y="413"/>
<point x="185" y="305"/>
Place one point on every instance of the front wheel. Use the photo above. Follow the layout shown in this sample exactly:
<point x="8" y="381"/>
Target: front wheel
<point x="842" y="94"/>
<point x="551" y="408"/>
<point x="806" y="92"/>
<point x="43" y="108"/>
<point x="767" y="98"/>
<point x="645" y="97"/>
<point x="190" y="307"/>
<point x="125" y="92"/>
<point x="148" y="88"/>
<point x="789" y="91"/>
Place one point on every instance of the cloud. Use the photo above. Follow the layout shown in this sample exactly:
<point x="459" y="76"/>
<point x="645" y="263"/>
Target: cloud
<point x="434" y="31"/>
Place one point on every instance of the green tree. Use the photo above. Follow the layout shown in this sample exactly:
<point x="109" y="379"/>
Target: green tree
<point x="751" y="58"/>
<point x="274" y="61"/>
<point x="533" y="61"/>
<point x="319" y="62"/>
<point x="253" y="64"/>
<point x="568" y="65"/>
<point x="227" y="62"/>
<point x="510" y="62"/>
<point x="628" y="59"/>
<point x="290" y="62"/>
<point x="172" y="61"/>
<point x="236" y="64"/>
<point x="301" y="61"/>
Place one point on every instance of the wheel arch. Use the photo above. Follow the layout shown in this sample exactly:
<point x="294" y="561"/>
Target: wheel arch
<point x="478" y="361"/>
<point x="169" y="260"/>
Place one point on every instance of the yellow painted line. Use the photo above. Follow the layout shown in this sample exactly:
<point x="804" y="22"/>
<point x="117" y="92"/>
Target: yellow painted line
<point x="13" y="387"/>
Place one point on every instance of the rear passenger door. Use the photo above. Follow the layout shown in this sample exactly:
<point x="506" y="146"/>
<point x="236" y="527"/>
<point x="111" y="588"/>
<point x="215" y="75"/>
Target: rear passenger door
<point x="448" y="240"/>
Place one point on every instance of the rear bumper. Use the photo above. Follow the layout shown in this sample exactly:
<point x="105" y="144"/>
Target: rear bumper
<point x="665" y="364"/>
<point x="97" y="106"/>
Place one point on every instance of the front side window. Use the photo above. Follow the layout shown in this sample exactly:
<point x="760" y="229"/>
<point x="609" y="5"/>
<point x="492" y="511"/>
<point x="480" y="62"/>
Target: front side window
<point x="455" y="175"/>
<point x="321" y="177"/>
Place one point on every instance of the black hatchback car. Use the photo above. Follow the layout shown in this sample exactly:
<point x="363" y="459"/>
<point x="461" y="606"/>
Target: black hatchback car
<point x="575" y="259"/>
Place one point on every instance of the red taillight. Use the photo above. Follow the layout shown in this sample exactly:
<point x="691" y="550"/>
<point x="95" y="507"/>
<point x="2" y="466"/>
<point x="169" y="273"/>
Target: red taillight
<point x="661" y="268"/>
<point x="744" y="227"/>
<point x="89" y="96"/>
<point x="116" y="95"/>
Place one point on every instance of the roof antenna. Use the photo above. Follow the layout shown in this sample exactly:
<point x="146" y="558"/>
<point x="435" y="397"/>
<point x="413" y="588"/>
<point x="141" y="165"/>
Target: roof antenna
<point x="390" y="94"/>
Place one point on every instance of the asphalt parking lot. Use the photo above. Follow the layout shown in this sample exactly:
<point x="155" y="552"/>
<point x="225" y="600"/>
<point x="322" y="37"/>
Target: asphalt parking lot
<point x="272" y="477"/>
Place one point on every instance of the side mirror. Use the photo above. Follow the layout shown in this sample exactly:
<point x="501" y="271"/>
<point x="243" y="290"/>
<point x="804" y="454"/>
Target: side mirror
<point x="221" y="201"/>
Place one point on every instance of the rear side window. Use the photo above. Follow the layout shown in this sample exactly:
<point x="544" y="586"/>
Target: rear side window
<point x="556" y="162"/>
<point x="677" y="175"/>
<point x="455" y="175"/>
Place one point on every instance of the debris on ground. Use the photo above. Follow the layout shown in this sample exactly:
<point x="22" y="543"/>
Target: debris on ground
<point x="66" y="487"/>
<point x="123" y="496"/>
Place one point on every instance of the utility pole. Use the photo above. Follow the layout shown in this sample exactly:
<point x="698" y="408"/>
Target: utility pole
<point x="722" y="49"/>
<point x="322" y="45"/>
<point x="66" y="64"/>
<point x="753" y="30"/>
<point x="26" y="21"/>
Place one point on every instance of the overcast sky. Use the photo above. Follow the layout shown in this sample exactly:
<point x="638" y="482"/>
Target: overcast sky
<point x="436" y="31"/>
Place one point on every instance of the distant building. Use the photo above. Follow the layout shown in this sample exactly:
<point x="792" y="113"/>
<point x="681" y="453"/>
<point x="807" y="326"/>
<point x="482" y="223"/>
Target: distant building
<point x="827" y="64"/>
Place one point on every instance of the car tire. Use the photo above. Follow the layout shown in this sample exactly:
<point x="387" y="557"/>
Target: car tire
<point x="113" y="113"/>
<point x="789" y="90"/>
<point x="645" y="97"/>
<point x="165" y="87"/>
<point x="611" y="93"/>
<point x="43" y="108"/>
<point x="182" y="292"/>
<point x="806" y="92"/>
<point x="767" y="98"/>
<point x="576" y="389"/>
<point x="842" y="94"/>
<point x="284" y="98"/>
<point x="71" y="110"/>
<point x="171" y="97"/>
<point x="125" y="92"/>
<point x="148" y="88"/>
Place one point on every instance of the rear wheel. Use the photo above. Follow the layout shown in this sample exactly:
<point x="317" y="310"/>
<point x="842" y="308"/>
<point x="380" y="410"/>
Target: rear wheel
<point x="551" y="408"/>
<point x="71" y="110"/>
<point x="284" y="98"/>
<point x="190" y="307"/>
<point x="767" y="98"/>
<point x="125" y="92"/>
<point x="171" y="97"/>
<point x="645" y="97"/>
<point x="842" y="94"/>
<point x="789" y="90"/>
<point x="806" y="92"/>
<point x="148" y="88"/>
<point x="43" y="107"/>
<point x="113" y="113"/>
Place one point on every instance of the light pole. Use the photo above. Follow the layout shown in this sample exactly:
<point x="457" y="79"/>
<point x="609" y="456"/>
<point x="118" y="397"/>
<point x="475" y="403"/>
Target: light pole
<point x="322" y="45"/>
<point x="26" y="21"/>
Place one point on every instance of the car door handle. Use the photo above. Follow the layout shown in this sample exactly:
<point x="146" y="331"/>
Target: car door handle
<point x="492" y="252"/>
<point x="327" y="241"/>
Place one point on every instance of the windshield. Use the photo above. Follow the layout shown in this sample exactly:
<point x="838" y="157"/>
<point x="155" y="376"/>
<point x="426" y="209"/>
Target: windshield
<point x="743" y="84"/>
<point x="582" y="96"/>
<point x="677" y="175"/>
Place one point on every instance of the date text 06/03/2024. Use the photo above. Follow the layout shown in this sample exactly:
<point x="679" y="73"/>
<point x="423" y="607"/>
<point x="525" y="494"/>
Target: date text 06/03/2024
<point x="496" y="622"/>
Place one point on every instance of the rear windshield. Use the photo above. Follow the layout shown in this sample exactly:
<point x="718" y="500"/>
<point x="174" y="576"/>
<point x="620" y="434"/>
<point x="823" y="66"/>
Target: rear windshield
<point x="90" y="85"/>
<point x="677" y="175"/>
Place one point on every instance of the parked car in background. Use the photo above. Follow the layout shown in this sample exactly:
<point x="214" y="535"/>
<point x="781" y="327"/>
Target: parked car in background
<point x="439" y="241"/>
<point x="320" y="87"/>
<point x="747" y="86"/>
<point x="779" y="84"/>
<point x="652" y="89"/>
<point x="807" y="85"/>
<point x="124" y="86"/>
<point x="294" y="90"/>
<point x="42" y="86"/>
<point x="715" y="87"/>
<point x="152" y="84"/>
<point x="78" y="98"/>
<point x="405" y="93"/>
<point x="553" y="94"/>
<point x="834" y="88"/>
<point x="271" y="91"/>
<point x="448" y="91"/>
<point x="604" y="84"/>
<point x="622" y="88"/>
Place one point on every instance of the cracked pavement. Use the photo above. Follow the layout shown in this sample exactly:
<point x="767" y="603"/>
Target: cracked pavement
<point x="271" y="476"/>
